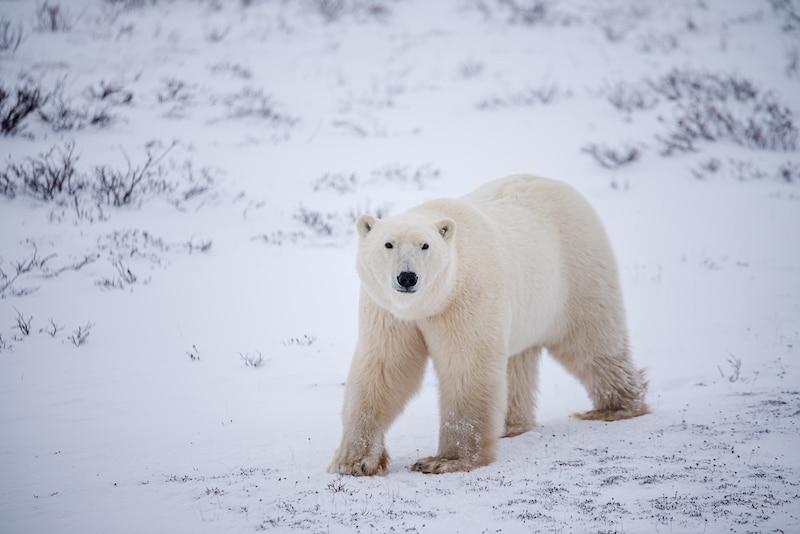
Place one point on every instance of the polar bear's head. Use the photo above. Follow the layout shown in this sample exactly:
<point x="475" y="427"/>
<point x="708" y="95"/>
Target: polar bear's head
<point x="407" y="263"/>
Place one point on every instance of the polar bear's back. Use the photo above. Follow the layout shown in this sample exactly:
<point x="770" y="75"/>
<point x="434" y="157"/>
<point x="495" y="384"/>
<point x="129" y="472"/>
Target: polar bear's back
<point x="529" y="193"/>
<point x="530" y="205"/>
<point x="556" y="250"/>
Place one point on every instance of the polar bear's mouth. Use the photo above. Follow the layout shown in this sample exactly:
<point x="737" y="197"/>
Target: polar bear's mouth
<point x="406" y="289"/>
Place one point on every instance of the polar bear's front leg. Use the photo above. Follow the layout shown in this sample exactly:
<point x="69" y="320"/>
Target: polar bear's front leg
<point x="387" y="369"/>
<point x="473" y="397"/>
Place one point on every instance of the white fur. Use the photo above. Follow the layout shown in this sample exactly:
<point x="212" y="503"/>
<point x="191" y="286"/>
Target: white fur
<point x="519" y="264"/>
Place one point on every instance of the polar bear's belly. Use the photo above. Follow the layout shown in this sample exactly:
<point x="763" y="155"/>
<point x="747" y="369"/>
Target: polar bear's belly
<point x="537" y="299"/>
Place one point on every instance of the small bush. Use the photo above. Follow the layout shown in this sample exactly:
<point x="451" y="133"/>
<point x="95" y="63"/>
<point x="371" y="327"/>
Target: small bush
<point x="175" y="91"/>
<point x="303" y="341"/>
<point x="251" y="102"/>
<point x="694" y="86"/>
<point x="52" y="329"/>
<point x="233" y="69"/>
<point x="470" y="69"/>
<point x="120" y="188"/>
<point x="789" y="172"/>
<point x="658" y="42"/>
<point x="63" y="113"/>
<point x="35" y="266"/>
<point x="628" y="98"/>
<point x="611" y="158"/>
<point x="21" y="268"/>
<point x="45" y="177"/>
<point x="349" y="182"/>
<point x="331" y="224"/>
<point x="529" y="13"/>
<point x="254" y="360"/>
<point x="711" y="108"/>
<point x="336" y="181"/>
<point x="191" y="186"/>
<point x="766" y="124"/>
<point x="51" y="18"/>
<point x="217" y="35"/>
<point x="793" y="62"/>
<point x="81" y="334"/>
<point x="708" y="167"/>
<point x="524" y="12"/>
<point x="125" y="277"/>
<point x="56" y="109"/>
<point x="177" y="94"/>
<point x="745" y="170"/>
<point x="128" y="5"/>
<point x="320" y="223"/>
<point x="334" y="10"/>
<point x="10" y="36"/>
<point x="617" y="20"/>
<point x="771" y="126"/>
<point x="23" y="323"/>
<point x="380" y="212"/>
<point x="279" y="237"/>
<point x="112" y="93"/>
<point x="735" y="365"/>
<point x="406" y="174"/>
<point x="544" y="94"/>
<point x="196" y="244"/>
<point x="54" y="176"/>
<point x="17" y="105"/>
<point x="789" y="13"/>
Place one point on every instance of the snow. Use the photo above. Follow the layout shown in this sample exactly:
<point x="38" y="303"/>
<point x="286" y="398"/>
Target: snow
<point x="160" y="422"/>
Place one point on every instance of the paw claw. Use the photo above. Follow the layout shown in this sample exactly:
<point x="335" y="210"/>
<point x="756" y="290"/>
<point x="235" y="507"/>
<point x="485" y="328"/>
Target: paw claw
<point x="357" y="465"/>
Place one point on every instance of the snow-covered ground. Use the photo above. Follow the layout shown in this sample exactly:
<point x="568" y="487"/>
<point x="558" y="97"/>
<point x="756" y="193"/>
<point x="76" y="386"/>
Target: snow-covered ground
<point x="176" y="322"/>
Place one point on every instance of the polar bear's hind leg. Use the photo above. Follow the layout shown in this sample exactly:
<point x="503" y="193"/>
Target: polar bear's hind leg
<point x="523" y="375"/>
<point x="617" y="389"/>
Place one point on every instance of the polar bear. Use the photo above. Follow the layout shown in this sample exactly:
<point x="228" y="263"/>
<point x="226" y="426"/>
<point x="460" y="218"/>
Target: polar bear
<point x="481" y="284"/>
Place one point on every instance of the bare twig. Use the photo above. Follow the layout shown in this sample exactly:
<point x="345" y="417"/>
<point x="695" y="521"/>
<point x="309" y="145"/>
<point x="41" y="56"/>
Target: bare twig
<point x="76" y="266"/>
<point x="52" y="328"/>
<point x="252" y="360"/>
<point x="23" y="323"/>
<point x="81" y="334"/>
<point x="34" y="262"/>
<point x="736" y="368"/>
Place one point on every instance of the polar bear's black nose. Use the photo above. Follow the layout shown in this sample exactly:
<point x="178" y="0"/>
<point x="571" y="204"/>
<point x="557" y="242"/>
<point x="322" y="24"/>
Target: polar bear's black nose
<point x="407" y="279"/>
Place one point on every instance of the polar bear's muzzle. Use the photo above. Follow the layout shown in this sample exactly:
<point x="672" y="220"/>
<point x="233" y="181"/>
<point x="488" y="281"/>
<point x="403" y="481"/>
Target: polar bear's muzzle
<point x="407" y="282"/>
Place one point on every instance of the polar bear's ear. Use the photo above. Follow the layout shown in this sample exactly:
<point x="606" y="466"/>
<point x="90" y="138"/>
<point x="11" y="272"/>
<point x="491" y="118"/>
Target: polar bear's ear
<point x="365" y="224"/>
<point x="446" y="228"/>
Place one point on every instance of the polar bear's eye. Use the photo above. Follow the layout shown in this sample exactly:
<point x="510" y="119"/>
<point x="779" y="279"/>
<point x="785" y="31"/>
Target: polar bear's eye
<point x="388" y="245"/>
<point x="424" y="246"/>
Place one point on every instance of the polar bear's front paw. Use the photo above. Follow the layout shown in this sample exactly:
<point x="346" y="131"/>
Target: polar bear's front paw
<point x="437" y="465"/>
<point x="355" y="464"/>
